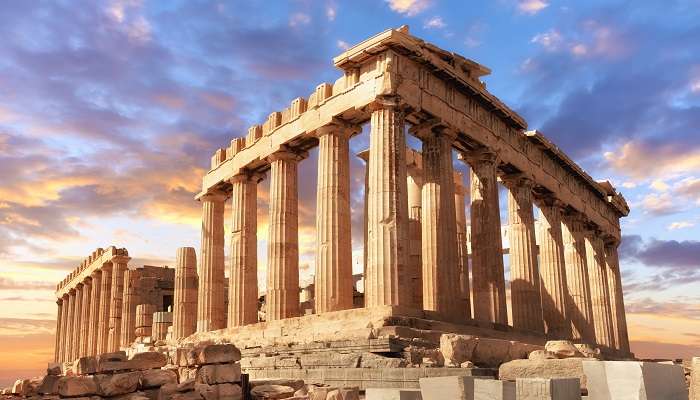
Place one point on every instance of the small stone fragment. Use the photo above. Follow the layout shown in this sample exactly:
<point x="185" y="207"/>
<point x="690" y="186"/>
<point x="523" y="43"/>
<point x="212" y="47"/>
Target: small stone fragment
<point x="562" y="349"/>
<point x="148" y="360"/>
<point x="265" y="392"/>
<point x="218" y="373"/>
<point x="542" y="355"/>
<point x="157" y="377"/>
<point x="113" y="385"/>
<point x="74" y="386"/>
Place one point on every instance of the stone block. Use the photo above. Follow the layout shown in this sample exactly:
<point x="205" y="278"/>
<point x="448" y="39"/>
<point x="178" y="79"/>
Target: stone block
<point x="212" y="354"/>
<point x="49" y="384"/>
<point x="53" y="369"/>
<point x="491" y="352"/>
<point x="542" y="355"/>
<point x="695" y="378"/>
<point x="564" y="368"/>
<point x="265" y="392"/>
<point x="224" y="391"/>
<point x="376" y="361"/>
<point x="562" y="349"/>
<point x="185" y="396"/>
<point x="320" y="392"/>
<point x="344" y="394"/>
<point x="608" y="380"/>
<point x="148" y="360"/>
<point x="218" y="373"/>
<point x="157" y="377"/>
<point x="392" y="394"/>
<point x="296" y="384"/>
<point x="491" y="389"/>
<point x="447" y="387"/>
<point x="548" y="389"/>
<point x="113" y="356"/>
<point x="21" y="387"/>
<point x="75" y="386"/>
<point x="85" y="366"/>
<point x="116" y="384"/>
<point x="113" y="366"/>
<point x="187" y="373"/>
<point x="457" y="349"/>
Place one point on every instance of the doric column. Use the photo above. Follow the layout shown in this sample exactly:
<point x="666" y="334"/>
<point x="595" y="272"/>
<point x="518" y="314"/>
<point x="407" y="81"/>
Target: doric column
<point x="617" y="303"/>
<point x="598" y="281"/>
<point x="283" y="242"/>
<point x="210" y="302"/>
<point x="115" y="308"/>
<point x="462" y="250"/>
<point x="579" y="302"/>
<point x="387" y="209"/>
<point x="243" y="275"/>
<point x="70" y="333"/>
<point x="364" y="155"/>
<point x="77" y="321"/>
<point x="414" y="184"/>
<point x="438" y="224"/>
<point x="132" y="298"/>
<point x="526" y="301"/>
<point x="333" y="279"/>
<point x="85" y="317"/>
<point x="94" y="321"/>
<point x="144" y="319"/>
<point x="185" y="296"/>
<point x="553" y="270"/>
<point x="105" y="302"/>
<point x="62" y="353"/>
<point x="488" y="280"/>
<point x="57" y="346"/>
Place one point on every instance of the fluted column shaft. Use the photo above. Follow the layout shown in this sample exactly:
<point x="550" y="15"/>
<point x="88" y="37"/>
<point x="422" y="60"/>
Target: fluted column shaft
<point x="85" y="317"/>
<point x="333" y="278"/>
<point x="462" y="252"/>
<point x="579" y="302"/>
<point x="70" y="333"/>
<point x="210" y="303"/>
<point x="59" y="321"/>
<point x="105" y="302"/>
<point x="63" y="354"/>
<point x="488" y="280"/>
<point x="77" y="321"/>
<point x="283" y="243"/>
<point x="132" y="298"/>
<point x="414" y="183"/>
<point x="243" y="275"/>
<point x="115" y="308"/>
<point x="617" y="303"/>
<point x="185" y="296"/>
<point x="526" y="301"/>
<point x="94" y="321"/>
<point x="387" y="224"/>
<point x="439" y="225"/>
<point x="553" y="271"/>
<point x="598" y="281"/>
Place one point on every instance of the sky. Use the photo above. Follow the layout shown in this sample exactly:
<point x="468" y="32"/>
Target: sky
<point x="110" y="111"/>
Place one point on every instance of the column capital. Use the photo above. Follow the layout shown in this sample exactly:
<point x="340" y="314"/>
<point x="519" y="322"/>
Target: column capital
<point x="550" y="200"/>
<point x="59" y="301"/>
<point x="518" y="179"/>
<point x="287" y="154"/>
<point x="610" y="240"/>
<point x="386" y="102"/>
<point x="246" y="175"/>
<point x="106" y="267"/>
<point x="214" y="196"/>
<point x="94" y="274"/>
<point x="121" y="259"/>
<point x="338" y="126"/>
<point x="479" y="156"/>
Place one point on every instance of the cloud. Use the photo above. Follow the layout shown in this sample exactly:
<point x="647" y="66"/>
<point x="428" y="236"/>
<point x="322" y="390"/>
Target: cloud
<point x="408" y="8"/>
<point x="331" y="11"/>
<point x="299" y="19"/>
<point x="532" y="6"/>
<point x="680" y="225"/>
<point x="662" y="253"/>
<point x="11" y="284"/>
<point x="550" y="40"/>
<point x="343" y="45"/>
<point x="434" y="23"/>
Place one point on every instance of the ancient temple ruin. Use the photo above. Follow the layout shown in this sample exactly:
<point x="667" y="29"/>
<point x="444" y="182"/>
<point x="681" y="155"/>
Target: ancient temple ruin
<point x="428" y="269"/>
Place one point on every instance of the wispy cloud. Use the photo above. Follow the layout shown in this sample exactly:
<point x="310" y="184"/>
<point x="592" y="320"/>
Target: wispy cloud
<point x="409" y="8"/>
<point x="532" y="7"/>
<point x="434" y="23"/>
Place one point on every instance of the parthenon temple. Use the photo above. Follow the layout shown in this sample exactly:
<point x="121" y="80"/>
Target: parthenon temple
<point x="433" y="242"/>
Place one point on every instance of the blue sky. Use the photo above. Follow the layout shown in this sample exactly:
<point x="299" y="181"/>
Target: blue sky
<point x="109" y="112"/>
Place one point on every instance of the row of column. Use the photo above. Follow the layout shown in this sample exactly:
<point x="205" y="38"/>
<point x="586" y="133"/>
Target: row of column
<point x="551" y="295"/>
<point x="90" y="315"/>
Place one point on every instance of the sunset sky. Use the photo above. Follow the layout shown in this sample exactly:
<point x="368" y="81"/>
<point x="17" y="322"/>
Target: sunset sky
<point x="110" y="111"/>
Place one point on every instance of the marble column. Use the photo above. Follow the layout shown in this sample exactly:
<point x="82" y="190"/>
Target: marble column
<point x="283" y="241"/>
<point x="105" y="303"/>
<point x="115" y="308"/>
<point x="132" y="297"/>
<point x="185" y="296"/>
<point x="364" y="155"/>
<point x="526" y="300"/>
<point x="94" y="321"/>
<point x="85" y="317"/>
<point x="617" y="303"/>
<point x="144" y="319"/>
<point x="579" y="301"/>
<point x="553" y="270"/>
<point x="57" y="345"/>
<point x="598" y="281"/>
<point x="70" y="333"/>
<point x="387" y="223"/>
<point x="439" y="224"/>
<point x="465" y="303"/>
<point x="77" y="322"/>
<point x="243" y="274"/>
<point x="414" y="184"/>
<point x="62" y="353"/>
<point x="488" y="280"/>
<point x="210" y="302"/>
<point x="333" y="279"/>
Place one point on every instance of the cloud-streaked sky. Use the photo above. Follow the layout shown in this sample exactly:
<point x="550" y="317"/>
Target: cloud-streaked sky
<point x="109" y="113"/>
